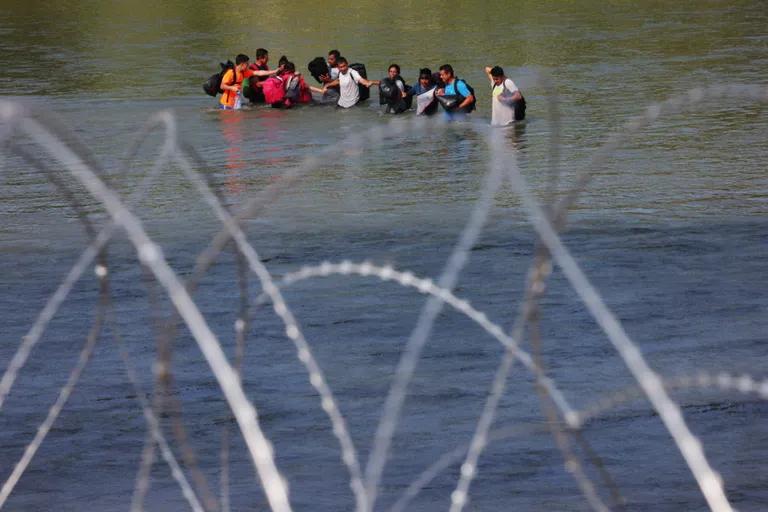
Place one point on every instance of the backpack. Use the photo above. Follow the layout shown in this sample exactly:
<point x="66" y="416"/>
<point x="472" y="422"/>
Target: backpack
<point x="389" y="92"/>
<point x="317" y="67"/>
<point x="212" y="86"/>
<point x="390" y="95"/>
<point x="518" y="106"/>
<point x="274" y="90"/>
<point x="471" y="106"/>
<point x="365" y="93"/>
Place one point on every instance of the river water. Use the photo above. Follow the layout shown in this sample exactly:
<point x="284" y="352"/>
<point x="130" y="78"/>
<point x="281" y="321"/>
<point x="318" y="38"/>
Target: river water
<point x="671" y="230"/>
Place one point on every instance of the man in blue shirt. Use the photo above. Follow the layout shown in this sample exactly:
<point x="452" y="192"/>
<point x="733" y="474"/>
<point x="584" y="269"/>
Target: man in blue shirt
<point x="455" y="96"/>
<point x="426" y="104"/>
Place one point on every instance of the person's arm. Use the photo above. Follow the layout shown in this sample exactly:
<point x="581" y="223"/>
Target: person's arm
<point x="265" y="72"/>
<point x="332" y="83"/>
<point x="233" y="85"/>
<point x="516" y="95"/>
<point x="468" y="98"/>
<point x="368" y="83"/>
<point x="488" y="74"/>
<point x="360" y="80"/>
<point x="401" y="86"/>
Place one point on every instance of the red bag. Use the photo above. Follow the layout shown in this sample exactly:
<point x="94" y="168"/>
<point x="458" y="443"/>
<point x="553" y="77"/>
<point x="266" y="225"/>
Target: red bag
<point x="274" y="90"/>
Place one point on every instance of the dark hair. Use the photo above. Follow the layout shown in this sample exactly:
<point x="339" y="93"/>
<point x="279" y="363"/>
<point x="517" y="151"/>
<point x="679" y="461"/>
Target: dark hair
<point x="335" y="53"/>
<point x="447" y="68"/>
<point x="283" y="60"/>
<point x="394" y="66"/>
<point x="425" y="73"/>
<point x="289" y="66"/>
<point x="497" y="71"/>
<point x="341" y="60"/>
<point x="261" y="53"/>
<point x="241" y="58"/>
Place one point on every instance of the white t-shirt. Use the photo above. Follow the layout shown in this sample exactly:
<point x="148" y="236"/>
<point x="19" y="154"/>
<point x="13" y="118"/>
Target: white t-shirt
<point x="502" y="114"/>
<point x="349" y="93"/>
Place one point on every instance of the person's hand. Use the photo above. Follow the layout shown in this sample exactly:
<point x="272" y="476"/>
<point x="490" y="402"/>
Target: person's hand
<point x="324" y="78"/>
<point x="487" y="69"/>
<point x="440" y="92"/>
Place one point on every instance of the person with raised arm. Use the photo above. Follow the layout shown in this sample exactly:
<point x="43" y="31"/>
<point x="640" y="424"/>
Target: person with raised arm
<point x="507" y="102"/>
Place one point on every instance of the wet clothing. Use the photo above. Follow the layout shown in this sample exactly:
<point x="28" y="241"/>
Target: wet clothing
<point x="257" y="67"/>
<point x="231" y="77"/>
<point x="417" y="89"/>
<point x="256" y="92"/>
<point x="504" y="111"/>
<point x="451" y="89"/>
<point x="349" y="92"/>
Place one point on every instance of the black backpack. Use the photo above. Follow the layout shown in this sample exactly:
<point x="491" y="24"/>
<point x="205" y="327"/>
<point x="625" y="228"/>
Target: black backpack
<point x="317" y="67"/>
<point x="365" y="93"/>
<point x="212" y="86"/>
<point x="389" y="94"/>
<point x="471" y="106"/>
<point x="518" y="106"/>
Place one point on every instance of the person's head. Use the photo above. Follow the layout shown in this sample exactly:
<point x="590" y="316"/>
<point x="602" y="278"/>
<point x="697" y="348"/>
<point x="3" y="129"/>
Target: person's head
<point x="425" y="77"/>
<point x="333" y="58"/>
<point x="343" y="65"/>
<point x="393" y="71"/>
<point x="497" y="74"/>
<point x="262" y="56"/>
<point x="241" y="62"/>
<point x="289" y="67"/>
<point x="446" y="73"/>
<point x="283" y="61"/>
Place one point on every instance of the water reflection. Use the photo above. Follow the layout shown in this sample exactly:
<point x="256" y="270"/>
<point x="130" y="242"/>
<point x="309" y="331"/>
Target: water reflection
<point x="231" y="123"/>
<point x="515" y="135"/>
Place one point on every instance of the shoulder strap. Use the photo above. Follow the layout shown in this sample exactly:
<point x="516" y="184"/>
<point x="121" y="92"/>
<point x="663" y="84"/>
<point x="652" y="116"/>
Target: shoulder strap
<point x="233" y="67"/>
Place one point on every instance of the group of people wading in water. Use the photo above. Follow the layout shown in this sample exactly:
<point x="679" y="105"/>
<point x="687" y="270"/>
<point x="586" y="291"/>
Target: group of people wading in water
<point x="346" y="85"/>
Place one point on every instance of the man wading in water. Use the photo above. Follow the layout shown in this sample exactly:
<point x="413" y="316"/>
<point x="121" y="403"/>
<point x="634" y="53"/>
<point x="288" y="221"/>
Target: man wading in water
<point x="349" y="94"/>
<point x="456" y="97"/>
<point x="507" y="104"/>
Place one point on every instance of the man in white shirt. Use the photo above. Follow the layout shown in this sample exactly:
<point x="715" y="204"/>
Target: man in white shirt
<point x="349" y="94"/>
<point x="507" y="103"/>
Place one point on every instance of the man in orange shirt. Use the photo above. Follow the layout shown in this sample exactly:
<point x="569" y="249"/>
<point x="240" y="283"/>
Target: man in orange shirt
<point x="230" y="83"/>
